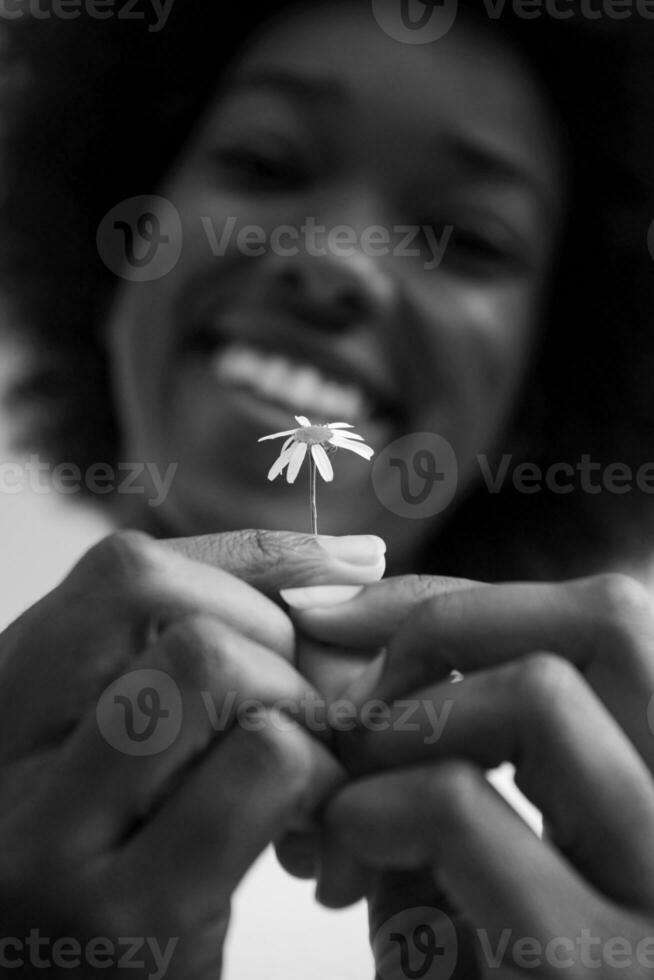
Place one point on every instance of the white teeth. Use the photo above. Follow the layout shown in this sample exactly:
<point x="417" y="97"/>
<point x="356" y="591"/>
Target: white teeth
<point x="274" y="376"/>
<point x="299" y="387"/>
<point x="305" y="387"/>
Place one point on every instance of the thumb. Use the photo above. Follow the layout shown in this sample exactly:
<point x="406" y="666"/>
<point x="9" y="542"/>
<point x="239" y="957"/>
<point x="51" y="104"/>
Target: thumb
<point x="274" y="560"/>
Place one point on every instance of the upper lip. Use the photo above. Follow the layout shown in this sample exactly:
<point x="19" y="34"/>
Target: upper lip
<point x="356" y="366"/>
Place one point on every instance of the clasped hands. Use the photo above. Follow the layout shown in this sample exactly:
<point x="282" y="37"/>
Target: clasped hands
<point x="102" y="843"/>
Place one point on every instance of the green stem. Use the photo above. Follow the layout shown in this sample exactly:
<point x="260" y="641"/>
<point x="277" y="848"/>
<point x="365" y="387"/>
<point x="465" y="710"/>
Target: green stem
<point x="312" y="494"/>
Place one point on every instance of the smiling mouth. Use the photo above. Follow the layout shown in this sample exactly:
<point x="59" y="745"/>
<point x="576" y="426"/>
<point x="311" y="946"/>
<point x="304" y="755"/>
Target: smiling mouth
<point x="289" y="380"/>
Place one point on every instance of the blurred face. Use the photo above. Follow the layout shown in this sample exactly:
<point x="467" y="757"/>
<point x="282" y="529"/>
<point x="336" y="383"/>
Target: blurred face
<point x="404" y="199"/>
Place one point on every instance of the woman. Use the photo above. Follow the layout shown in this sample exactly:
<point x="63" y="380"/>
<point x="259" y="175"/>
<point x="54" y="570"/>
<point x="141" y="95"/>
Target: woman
<point x="209" y="352"/>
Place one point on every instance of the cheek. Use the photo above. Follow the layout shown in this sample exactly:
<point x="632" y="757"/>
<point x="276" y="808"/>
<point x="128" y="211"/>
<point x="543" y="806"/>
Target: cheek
<point x="495" y="338"/>
<point x="140" y="337"/>
<point x="471" y="351"/>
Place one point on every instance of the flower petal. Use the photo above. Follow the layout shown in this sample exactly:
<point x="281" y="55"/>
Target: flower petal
<point x="364" y="451"/>
<point x="277" y="435"/>
<point x="282" y="460"/>
<point x="302" y="420"/>
<point x="321" y="460"/>
<point x="287" y="444"/>
<point x="339" y="425"/>
<point x="298" y="452"/>
<point x="339" y="434"/>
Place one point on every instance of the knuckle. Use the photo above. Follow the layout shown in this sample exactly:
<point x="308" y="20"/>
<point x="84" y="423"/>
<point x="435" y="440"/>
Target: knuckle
<point x="122" y="555"/>
<point x="267" y="544"/>
<point x="433" y="588"/>
<point x="255" y="546"/>
<point x="422" y="586"/>
<point x="195" y="648"/>
<point x="620" y="599"/>
<point x="542" y="680"/>
<point x="278" y="746"/>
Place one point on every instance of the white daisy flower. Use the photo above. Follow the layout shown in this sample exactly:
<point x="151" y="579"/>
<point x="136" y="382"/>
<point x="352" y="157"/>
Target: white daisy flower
<point x="314" y="438"/>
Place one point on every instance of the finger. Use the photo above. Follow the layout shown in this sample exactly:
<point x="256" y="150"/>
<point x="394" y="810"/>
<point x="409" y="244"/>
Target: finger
<point x="274" y="560"/>
<point x="572" y="759"/>
<point x="603" y="625"/>
<point x="400" y="901"/>
<point x="198" y="681"/>
<point x="67" y="648"/>
<point x="374" y="615"/>
<point x="331" y="670"/>
<point x="165" y="585"/>
<point x="237" y="800"/>
<point x="341" y="880"/>
<point x="105" y="611"/>
<point x="488" y="861"/>
<point x="393" y="891"/>
<point x="299" y="853"/>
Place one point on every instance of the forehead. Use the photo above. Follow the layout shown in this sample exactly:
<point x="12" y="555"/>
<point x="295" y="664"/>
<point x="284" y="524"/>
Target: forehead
<point x="469" y="84"/>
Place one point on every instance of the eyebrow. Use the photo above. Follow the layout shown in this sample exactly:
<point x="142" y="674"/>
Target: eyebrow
<point x="306" y="86"/>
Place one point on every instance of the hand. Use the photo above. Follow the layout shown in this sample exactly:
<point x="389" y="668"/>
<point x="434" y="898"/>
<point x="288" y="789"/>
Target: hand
<point x="558" y="679"/>
<point x="102" y="841"/>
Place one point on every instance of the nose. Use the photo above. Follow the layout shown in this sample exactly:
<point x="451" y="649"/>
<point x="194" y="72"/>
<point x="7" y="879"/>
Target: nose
<point x="331" y="292"/>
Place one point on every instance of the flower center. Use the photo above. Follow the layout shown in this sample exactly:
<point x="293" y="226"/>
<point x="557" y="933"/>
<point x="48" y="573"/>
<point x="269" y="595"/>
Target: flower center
<point x="314" y="434"/>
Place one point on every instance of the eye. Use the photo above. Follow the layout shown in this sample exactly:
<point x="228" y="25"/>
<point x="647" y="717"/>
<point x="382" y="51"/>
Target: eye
<point x="475" y="244"/>
<point x="263" y="165"/>
<point x="479" y="250"/>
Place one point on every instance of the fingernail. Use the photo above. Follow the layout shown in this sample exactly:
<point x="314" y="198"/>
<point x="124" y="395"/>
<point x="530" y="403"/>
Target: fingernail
<point x="355" y="549"/>
<point x="320" y="595"/>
